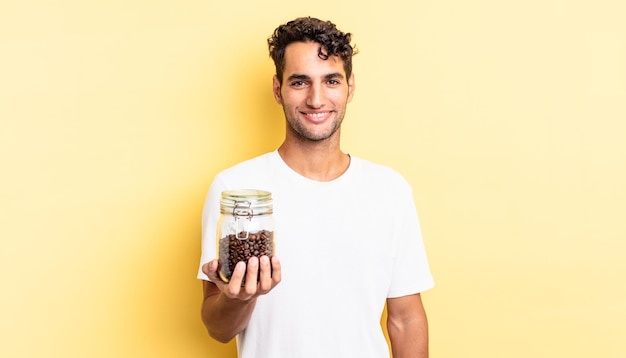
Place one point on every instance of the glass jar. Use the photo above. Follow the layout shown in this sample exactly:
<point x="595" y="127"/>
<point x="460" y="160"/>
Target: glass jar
<point x="245" y="228"/>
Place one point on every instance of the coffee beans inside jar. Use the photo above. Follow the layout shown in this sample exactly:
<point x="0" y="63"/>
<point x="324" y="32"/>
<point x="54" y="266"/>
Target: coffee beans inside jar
<point x="242" y="246"/>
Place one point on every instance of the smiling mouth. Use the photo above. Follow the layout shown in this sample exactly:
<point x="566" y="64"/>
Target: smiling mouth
<point x="318" y="116"/>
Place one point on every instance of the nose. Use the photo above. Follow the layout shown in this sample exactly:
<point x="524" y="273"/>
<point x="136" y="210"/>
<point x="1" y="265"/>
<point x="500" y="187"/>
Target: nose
<point x="315" y="97"/>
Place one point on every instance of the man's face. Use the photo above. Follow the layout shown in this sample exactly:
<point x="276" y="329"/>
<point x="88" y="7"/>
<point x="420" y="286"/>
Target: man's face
<point x="314" y="92"/>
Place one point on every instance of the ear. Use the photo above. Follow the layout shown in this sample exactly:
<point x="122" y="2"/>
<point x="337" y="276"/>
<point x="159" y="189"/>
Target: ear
<point x="351" y="87"/>
<point x="276" y="90"/>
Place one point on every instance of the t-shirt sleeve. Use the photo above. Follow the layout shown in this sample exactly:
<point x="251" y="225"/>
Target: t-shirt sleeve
<point x="210" y="216"/>
<point x="411" y="271"/>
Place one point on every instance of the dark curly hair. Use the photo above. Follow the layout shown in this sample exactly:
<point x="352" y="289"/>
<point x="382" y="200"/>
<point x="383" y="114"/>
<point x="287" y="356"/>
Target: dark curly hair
<point x="304" y="29"/>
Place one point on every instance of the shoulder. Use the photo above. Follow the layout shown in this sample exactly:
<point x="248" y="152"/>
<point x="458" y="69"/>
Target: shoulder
<point x="378" y="174"/>
<point x="254" y="173"/>
<point x="250" y="165"/>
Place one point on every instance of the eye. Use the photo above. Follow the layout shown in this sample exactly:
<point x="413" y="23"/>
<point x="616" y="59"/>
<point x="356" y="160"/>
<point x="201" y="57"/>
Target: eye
<point x="297" y="83"/>
<point x="333" y="82"/>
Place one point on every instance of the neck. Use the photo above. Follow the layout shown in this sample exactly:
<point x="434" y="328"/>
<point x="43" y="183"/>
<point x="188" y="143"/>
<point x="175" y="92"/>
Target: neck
<point x="317" y="161"/>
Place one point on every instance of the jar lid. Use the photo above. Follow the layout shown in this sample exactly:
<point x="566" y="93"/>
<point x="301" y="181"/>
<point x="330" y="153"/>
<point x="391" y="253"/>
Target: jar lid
<point x="252" y="198"/>
<point x="246" y="193"/>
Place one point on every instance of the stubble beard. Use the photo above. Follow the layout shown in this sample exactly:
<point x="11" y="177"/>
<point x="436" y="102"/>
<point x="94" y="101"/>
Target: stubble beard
<point x="298" y="128"/>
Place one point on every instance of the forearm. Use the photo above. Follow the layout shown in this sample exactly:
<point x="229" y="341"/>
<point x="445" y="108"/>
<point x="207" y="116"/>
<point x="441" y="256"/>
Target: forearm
<point x="409" y="339"/>
<point x="407" y="326"/>
<point x="225" y="317"/>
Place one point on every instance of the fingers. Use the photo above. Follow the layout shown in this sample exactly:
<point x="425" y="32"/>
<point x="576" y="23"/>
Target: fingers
<point x="276" y="270"/>
<point x="233" y="288"/>
<point x="265" y="278"/>
<point x="252" y="276"/>
<point x="261" y="275"/>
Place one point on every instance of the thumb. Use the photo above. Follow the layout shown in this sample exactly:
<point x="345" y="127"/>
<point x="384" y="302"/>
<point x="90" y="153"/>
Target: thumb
<point x="210" y="268"/>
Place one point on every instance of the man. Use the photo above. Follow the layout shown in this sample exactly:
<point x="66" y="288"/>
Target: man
<point x="346" y="229"/>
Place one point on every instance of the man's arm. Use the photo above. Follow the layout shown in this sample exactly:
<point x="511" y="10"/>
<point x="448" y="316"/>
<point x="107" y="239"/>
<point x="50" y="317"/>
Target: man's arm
<point x="227" y="307"/>
<point x="407" y="327"/>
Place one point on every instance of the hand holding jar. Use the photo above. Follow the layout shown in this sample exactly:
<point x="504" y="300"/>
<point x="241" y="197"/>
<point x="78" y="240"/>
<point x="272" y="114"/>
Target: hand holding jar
<point x="248" y="280"/>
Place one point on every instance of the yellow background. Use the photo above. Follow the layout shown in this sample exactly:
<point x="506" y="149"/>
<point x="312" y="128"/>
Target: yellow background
<point x="507" y="117"/>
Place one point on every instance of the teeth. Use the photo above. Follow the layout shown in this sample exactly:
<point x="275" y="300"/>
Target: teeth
<point x="317" y="115"/>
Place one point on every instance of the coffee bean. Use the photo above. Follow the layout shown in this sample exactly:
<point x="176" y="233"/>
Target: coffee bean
<point x="235" y="247"/>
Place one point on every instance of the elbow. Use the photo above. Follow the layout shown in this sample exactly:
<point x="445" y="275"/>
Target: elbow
<point x="219" y="334"/>
<point x="221" y="337"/>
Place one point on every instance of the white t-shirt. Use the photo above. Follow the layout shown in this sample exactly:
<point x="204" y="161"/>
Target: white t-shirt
<point x="345" y="246"/>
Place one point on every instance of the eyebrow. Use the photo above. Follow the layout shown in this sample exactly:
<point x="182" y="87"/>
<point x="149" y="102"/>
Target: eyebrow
<point x="297" y="76"/>
<point x="333" y="75"/>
